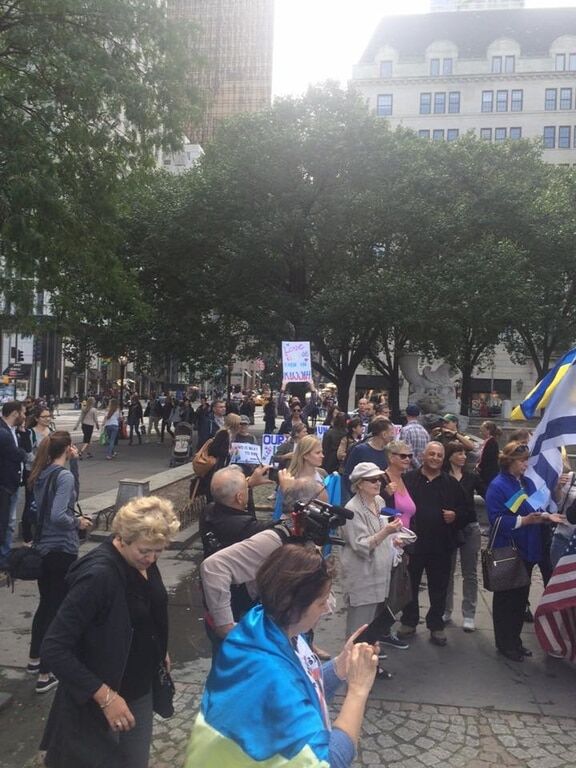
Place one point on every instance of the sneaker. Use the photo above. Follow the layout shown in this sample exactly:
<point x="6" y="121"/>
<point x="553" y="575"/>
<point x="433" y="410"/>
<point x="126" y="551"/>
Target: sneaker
<point x="43" y="686"/>
<point x="447" y="617"/>
<point x="382" y="655"/>
<point x="394" y="641"/>
<point x="33" y="667"/>
<point x="468" y="625"/>
<point x="437" y="637"/>
<point x="406" y="631"/>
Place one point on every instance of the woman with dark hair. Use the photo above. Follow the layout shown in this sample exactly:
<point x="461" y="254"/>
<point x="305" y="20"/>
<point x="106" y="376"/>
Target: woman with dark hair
<point x="219" y="449"/>
<point x="293" y="419"/>
<point x="469" y="547"/>
<point x="57" y="541"/>
<point x="331" y="441"/>
<point x="269" y="416"/>
<point x="518" y="524"/>
<point x="487" y="466"/>
<point x="354" y="430"/>
<point x="267" y="665"/>
<point x="332" y="411"/>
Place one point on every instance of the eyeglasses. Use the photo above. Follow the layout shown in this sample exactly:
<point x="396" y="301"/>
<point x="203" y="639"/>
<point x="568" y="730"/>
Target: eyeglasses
<point x="404" y="455"/>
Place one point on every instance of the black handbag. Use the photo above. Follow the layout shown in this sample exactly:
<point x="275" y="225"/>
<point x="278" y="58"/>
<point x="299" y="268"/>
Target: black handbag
<point x="400" y="592"/>
<point x="163" y="690"/>
<point x="503" y="567"/>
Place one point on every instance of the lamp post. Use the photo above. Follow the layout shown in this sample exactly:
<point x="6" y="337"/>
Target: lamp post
<point x="123" y="360"/>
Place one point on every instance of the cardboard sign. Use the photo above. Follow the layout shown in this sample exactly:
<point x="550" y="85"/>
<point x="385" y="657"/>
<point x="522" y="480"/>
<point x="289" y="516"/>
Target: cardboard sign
<point x="245" y="453"/>
<point x="270" y="445"/>
<point x="296" y="361"/>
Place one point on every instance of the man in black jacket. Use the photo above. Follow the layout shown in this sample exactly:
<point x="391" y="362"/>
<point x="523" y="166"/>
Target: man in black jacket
<point x="440" y="512"/>
<point x="12" y="458"/>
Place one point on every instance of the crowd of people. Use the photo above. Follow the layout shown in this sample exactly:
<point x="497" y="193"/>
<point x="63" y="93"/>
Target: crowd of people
<point x="100" y="631"/>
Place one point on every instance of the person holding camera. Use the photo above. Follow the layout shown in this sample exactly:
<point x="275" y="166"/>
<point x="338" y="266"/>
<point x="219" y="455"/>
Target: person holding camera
<point x="57" y="527"/>
<point x="267" y="665"/>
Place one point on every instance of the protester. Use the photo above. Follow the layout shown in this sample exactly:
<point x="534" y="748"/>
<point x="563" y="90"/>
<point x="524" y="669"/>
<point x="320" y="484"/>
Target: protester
<point x="522" y="527"/>
<point x="448" y="431"/>
<point x="440" y="512"/>
<point x="373" y="449"/>
<point x="565" y="499"/>
<point x="111" y="427"/>
<point x="487" y="466"/>
<point x="399" y="455"/>
<point x="88" y="419"/>
<point x="285" y="450"/>
<point x="469" y="537"/>
<point x="269" y="416"/>
<point x="267" y="665"/>
<point x="414" y="434"/>
<point x="54" y="490"/>
<point x="354" y="431"/>
<point x="12" y="458"/>
<point x="209" y="423"/>
<point x="218" y="449"/>
<point x="368" y="555"/>
<point x="331" y="441"/>
<point x="107" y="643"/>
<point x="294" y="420"/>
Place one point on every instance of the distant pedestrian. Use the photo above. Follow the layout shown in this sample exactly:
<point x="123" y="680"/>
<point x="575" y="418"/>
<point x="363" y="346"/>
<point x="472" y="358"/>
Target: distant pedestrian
<point x="415" y="435"/>
<point x="154" y="409"/>
<point x="167" y="408"/>
<point x="270" y="416"/>
<point x="488" y="466"/>
<point x="111" y="426"/>
<point x="135" y="418"/>
<point x="88" y="419"/>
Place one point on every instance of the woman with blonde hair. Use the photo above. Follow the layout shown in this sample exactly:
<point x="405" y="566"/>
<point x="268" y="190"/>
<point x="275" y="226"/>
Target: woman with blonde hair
<point x="88" y="419"/>
<point x="108" y="644"/>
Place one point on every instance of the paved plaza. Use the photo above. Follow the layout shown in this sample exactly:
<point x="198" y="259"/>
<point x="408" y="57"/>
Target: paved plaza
<point x="456" y="706"/>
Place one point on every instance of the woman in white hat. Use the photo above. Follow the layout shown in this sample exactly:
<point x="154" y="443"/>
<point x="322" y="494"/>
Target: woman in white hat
<point x="367" y="558"/>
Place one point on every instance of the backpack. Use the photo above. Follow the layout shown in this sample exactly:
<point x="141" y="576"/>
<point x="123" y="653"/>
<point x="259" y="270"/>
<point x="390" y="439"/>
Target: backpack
<point x="203" y="463"/>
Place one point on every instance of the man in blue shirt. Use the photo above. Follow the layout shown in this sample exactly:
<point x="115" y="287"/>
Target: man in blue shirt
<point x="381" y="432"/>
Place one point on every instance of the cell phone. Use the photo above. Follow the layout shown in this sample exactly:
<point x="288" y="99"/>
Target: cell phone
<point x="273" y="471"/>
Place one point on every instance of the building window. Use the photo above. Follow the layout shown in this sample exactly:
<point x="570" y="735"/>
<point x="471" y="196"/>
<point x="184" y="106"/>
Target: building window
<point x="452" y="134"/>
<point x="516" y="100"/>
<point x="549" y="137"/>
<point x="487" y="101"/>
<point x="572" y="62"/>
<point x="439" y="103"/>
<point x="560" y="62"/>
<point x="454" y="102"/>
<point x="386" y="68"/>
<point x="438" y="134"/>
<point x="515" y="133"/>
<point x="486" y="134"/>
<point x="497" y="64"/>
<point x="384" y="105"/>
<point x="501" y="101"/>
<point x="565" y="98"/>
<point x="550" y="98"/>
<point x="509" y="63"/>
<point x="425" y="103"/>
<point x="447" y="66"/>
<point x="424" y="134"/>
<point x="499" y="134"/>
<point x="434" y="67"/>
<point x="564" y="137"/>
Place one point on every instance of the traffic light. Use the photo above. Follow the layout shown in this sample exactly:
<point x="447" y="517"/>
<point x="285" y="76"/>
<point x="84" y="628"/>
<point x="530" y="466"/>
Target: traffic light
<point x="20" y="356"/>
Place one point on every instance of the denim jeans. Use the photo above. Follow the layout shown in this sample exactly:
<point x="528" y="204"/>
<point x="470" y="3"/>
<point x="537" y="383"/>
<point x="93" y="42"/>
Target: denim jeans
<point x="111" y="434"/>
<point x="6" y="545"/>
<point x="557" y="548"/>
<point x="469" y="564"/>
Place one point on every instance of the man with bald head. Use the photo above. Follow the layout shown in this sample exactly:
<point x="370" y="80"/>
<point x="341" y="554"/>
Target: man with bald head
<point x="440" y="512"/>
<point x="226" y="520"/>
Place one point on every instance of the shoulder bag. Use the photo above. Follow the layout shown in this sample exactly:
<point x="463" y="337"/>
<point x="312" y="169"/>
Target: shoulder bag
<point x="502" y="567"/>
<point x="163" y="690"/>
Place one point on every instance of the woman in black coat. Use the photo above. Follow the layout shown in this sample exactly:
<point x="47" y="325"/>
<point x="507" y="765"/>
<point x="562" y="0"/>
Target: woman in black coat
<point x="107" y="644"/>
<point x="488" y="466"/>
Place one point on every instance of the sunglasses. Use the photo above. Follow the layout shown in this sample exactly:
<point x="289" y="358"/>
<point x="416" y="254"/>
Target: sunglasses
<point x="404" y="455"/>
<point x="520" y="449"/>
<point x="372" y="479"/>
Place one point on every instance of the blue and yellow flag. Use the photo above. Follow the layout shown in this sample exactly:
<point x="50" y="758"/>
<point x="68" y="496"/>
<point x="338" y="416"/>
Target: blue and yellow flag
<point x="515" y="502"/>
<point x="542" y="392"/>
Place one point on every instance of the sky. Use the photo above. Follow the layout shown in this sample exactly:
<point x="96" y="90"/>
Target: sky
<point x="317" y="40"/>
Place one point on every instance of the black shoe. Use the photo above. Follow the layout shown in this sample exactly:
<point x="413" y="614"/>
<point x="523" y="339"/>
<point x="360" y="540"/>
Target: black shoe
<point x="528" y="616"/>
<point x="393" y="641"/>
<point x="513" y="655"/>
<point x="383" y="674"/>
<point x="43" y="686"/>
<point x="526" y="652"/>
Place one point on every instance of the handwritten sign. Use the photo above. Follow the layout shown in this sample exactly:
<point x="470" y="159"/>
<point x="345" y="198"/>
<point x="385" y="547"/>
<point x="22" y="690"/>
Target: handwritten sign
<point x="296" y="362"/>
<point x="245" y="453"/>
<point x="270" y="445"/>
<point x="321" y="430"/>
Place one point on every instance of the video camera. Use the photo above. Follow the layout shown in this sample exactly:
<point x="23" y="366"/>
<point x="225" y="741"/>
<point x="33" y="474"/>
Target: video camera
<point x="314" y="520"/>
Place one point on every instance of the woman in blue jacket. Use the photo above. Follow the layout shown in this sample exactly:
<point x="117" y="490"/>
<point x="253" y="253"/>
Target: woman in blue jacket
<point x="521" y="527"/>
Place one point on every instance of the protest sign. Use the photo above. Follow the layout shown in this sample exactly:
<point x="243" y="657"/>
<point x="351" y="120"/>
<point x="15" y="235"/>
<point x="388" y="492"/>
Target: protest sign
<point x="270" y="445"/>
<point x="321" y="430"/>
<point x="296" y="362"/>
<point x="245" y="453"/>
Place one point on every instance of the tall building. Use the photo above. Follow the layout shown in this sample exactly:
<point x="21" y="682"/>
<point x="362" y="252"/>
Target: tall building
<point x="234" y="44"/>
<point x="474" y="5"/>
<point x="502" y="74"/>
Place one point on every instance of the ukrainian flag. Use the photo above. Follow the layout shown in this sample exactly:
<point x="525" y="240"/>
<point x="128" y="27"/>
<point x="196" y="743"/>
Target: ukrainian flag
<point x="542" y="392"/>
<point x="516" y="501"/>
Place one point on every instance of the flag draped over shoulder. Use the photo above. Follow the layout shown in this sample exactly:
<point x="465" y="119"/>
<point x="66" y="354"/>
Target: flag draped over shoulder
<point x="539" y="397"/>
<point x="555" y="617"/>
<point x="557" y="429"/>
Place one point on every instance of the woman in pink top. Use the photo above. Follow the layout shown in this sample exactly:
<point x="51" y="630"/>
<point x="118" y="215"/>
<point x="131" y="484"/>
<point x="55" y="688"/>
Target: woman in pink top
<point x="399" y="456"/>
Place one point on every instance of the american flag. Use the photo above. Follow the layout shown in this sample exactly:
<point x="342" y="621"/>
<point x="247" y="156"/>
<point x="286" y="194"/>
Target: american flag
<point x="555" y="618"/>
